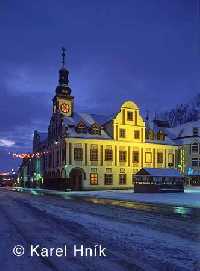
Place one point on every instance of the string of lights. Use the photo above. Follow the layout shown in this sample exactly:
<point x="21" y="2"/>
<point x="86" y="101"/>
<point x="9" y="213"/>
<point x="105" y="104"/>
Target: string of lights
<point x="28" y="155"/>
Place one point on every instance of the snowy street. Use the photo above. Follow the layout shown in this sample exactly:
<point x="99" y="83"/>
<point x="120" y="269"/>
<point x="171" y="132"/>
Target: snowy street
<point x="135" y="239"/>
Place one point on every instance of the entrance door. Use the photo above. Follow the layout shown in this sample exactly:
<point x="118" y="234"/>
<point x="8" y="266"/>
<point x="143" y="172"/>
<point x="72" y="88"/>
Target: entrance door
<point x="76" y="179"/>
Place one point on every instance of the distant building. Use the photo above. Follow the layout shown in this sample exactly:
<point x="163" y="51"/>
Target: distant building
<point x="91" y="151"/>
<point x="187" y="136"/>
<point x="8" y="178"/>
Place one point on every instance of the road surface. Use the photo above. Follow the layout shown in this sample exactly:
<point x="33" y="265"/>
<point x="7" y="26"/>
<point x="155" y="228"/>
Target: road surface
<point x="134" y="239"/>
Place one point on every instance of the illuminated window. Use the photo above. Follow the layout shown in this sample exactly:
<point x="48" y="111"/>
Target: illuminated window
<point x="170" y="159"/>
<point x="195" y="148"/>
<point x="93" y="178"/>
<point x="94" y="155"/>
<point x="122" y="133"/>
<point x="159" y="157"/>
<point x="122" y="178"/>
<point x="108" y="179"/>
<point x="78" y="154"/>
<point x="195" y="131"/>
<point x="136" y="134"/>
<point x="148" y="157"/>
<point x="130" y="116"/>
<point x="135" y="156"/>
<point x="122" y="156"/>
<point x="108" y="155"/>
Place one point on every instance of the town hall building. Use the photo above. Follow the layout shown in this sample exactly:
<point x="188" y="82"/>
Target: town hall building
<point x="83" y="151"/>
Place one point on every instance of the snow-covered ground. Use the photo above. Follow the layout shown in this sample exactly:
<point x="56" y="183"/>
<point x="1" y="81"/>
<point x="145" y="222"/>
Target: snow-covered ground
<point x="135" y="240"/>
<point x="190" y="198"/>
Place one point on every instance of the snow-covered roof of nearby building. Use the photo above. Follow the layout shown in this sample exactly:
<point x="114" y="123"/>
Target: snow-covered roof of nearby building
<point x="88" y="119"/>
<point x="153" y="125"/>
<point x="183" y="134"/>
<point x="71" y="132"/>
<point x="160" y="172"/>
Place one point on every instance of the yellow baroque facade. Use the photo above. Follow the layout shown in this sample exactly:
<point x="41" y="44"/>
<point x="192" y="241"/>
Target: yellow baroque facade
<point x="84" y="151"/>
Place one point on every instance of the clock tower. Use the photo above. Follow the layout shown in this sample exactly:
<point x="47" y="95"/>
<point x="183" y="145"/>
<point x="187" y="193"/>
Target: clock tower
<point x="63" y="101"/>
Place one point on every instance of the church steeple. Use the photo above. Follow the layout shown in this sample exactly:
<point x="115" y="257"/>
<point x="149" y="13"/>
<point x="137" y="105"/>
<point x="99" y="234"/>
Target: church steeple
<point x="63" y="81"/>
<point x="63" y="101"/>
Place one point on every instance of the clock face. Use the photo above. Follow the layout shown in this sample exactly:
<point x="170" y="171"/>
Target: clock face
<point x="65" y="108"/>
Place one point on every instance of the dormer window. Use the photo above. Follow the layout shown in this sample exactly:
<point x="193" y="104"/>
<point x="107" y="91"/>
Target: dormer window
<point x="149" y="134"/>
<point x="81" y="128"/>
<point x="160" y="135"/>
<point x="195" y="131"/>
<point x="95" y="129"/>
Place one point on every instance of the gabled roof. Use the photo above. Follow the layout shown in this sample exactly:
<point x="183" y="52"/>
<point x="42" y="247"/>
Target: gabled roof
<point x="184" y="133"/>
<point x="88" y="119"/>
<point x="160" y="172"/>
<point x="154" y="126"/>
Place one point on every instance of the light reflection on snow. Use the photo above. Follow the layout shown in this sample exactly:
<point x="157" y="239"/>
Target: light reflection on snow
<point x="182" y="210"/>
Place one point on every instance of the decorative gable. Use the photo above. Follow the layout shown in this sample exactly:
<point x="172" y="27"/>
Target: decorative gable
<point x="95" y="129"/>
<point x="81" y="127"/>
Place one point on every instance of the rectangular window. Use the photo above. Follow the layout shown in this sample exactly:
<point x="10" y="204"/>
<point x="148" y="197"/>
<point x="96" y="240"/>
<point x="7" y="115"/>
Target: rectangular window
<point x="78" y="154"/>
<point x="195" y="148"/>
<point x="64" y="155"/>
<point x="122" y="156"/>
<point x="57" y="158"/>
<point x="135" y="156"/>
<point x="94" y="155"/>
<point x="122" y="133"/>
<point x="50" y="161"/>
<point x="195" y="162"/>
<point x="130" y="116"/>
<point x="148" y="157"/>
<point x="122" y="178"/>
<point x="108" y="155"/>
<point x="137" y="134"/>
<point x="108" y="179"/>
<point x="133" y="178"/>
<point x="195" y="131"/>
<point x="159" y="157"/>
<point x="93" y="178"/>
<point x="170" y="159"/>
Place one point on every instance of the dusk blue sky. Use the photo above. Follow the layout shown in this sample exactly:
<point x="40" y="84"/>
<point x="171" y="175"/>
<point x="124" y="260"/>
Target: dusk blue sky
<point x="146" y="51"/>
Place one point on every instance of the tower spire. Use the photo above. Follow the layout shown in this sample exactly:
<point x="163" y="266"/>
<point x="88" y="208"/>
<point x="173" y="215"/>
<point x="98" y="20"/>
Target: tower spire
<point x="63" y="56"/>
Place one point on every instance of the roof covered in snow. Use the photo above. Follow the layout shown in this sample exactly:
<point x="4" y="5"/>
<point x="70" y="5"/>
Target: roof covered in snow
<point x="160" y="172"/>
<point x="183" y="134"/>
<point x="157" y="126"/>
<point x="88" y="119"/>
